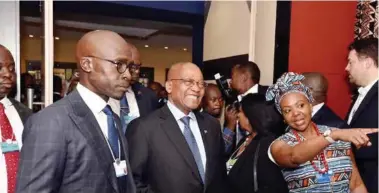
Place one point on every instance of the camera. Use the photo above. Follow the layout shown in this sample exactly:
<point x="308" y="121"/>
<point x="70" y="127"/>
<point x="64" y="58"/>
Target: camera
<point x="229" y="95"/>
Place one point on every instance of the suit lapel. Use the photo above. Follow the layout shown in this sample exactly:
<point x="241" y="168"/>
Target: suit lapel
<point x="173" y="132"/>
<point x="206" y="136"/>
<point x="24" y="113"/>
<point x="88" y="126"/>
<point x="371" y="93"/>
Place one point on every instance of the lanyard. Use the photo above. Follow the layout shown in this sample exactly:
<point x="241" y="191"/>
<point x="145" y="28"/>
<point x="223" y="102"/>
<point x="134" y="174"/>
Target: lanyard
<point x="117" y="160"/>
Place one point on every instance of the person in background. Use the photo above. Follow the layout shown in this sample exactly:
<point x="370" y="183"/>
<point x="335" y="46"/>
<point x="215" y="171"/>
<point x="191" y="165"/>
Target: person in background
<point x="213" y="102"/>
<point x="13" y="116"/>
<point x="27" y="81"/>
<point x="245" y="79"/>
<point x="160" y="91"/>
<point x="249" y="168"/>
<point x="362" y="68"/>
<point x="76" y="144"/>
<point x="321" y="113"/>
<point x="314" y="158"/>
<point x="138" y="100"/>
<point x="57" y="88"/>
<point x="73" y="83"/>
<point x="176" y="149"/>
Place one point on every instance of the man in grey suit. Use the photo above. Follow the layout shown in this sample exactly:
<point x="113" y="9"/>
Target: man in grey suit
<point x="76" y="144"/>
<point x="174" y="149"/>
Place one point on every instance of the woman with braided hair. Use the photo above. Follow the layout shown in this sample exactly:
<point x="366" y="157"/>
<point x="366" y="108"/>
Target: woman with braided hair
<point x="314" y="158"/>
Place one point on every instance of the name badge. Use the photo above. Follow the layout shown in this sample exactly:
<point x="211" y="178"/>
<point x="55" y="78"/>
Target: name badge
<point x="128" y="119"/>
<point x="120" y="168"/>
<point x="9" y="146"/>
<point x="325" y="177"/>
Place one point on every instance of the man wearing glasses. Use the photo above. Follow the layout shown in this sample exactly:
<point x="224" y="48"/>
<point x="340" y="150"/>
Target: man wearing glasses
<point x="138" y="100"/>
<point x="76" y="144"/>
<point x="176" y="149"/>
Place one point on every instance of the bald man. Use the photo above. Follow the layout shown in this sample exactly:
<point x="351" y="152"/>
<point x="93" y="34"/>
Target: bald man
<point x="76" y="144"/>
<point x="174" y="149"/>
<point x="321" y="113"/>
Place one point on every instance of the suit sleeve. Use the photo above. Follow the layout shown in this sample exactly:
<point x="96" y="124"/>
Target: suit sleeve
<point x="139" y="155"/>
<point x="42" y="155"/>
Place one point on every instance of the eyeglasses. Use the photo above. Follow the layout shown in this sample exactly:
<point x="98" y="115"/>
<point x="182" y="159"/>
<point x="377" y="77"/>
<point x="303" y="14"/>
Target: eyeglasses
<point x="191" y="82"/>
<point x="121" y="66"/>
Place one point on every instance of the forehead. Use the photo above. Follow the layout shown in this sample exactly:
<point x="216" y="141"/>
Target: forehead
<point x="5" y="56"/>
<point x="191" y="72"/>
<point x="352" y="55"/>
<point x="115" y="50"/>
<point x="213" y="91"/>
<point x="292" y="98"/>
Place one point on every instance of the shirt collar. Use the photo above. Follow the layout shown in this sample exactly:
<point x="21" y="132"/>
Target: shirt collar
<point x="316" y="108"/>
<point x="6" y="102"/>
<point x="252" y="90"/>
<point x="92" y="100"/>
<point x="364" y="90"/>
<point x="178" y="114"/>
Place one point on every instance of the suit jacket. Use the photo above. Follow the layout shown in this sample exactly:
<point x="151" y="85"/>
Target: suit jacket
<point x="326" y="116"/>
<point x="64" y="150"/>
<point x="147" y="100"/>
<point x="366" y="116"/>
<point x="23" y="111"/>
<point x="241" y="175"/>
<point x="162" y="161"/>
<point x="262" y="89"/>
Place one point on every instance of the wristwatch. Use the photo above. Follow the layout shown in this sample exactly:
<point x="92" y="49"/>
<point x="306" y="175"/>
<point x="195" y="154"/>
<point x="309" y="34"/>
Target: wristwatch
<point x="327" y="136"/>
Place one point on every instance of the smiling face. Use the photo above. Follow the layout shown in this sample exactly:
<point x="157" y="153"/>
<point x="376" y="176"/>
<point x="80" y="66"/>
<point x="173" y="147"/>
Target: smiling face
<point x="181" y="93"/>
<point x="296" y="111"/>
<point x="7" y="72"/>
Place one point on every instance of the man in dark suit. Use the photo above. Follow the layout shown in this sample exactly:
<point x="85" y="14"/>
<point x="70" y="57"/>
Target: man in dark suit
<point x="245" y="80"/>
<point x="321" y="113"/>
<point x="76" y="144"/>
<point x="13" y="116"/>
<point x="138" y="101"/>
<point x="174" y="149"/>
<point x="362" y="68"/>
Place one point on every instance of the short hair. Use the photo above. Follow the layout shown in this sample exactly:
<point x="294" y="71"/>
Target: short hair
<point x="262" y="115"/>
<point x="367" y="47"/>
<point x="252" y="68"/>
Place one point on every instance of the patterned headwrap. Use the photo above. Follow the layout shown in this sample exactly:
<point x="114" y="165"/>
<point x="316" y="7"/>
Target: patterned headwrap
<point x="289" y="82"/>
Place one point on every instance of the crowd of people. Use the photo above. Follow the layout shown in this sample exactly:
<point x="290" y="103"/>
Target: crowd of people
<point x="109" y="133"/>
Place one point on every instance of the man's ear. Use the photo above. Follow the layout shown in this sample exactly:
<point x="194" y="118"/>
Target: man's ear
<point x="86" y="64"/>
<point x="168" y="86"/>
<point x="369" y="62"/>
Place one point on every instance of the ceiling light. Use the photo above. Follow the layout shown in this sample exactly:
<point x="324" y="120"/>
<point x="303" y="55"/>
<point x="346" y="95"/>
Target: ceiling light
<point x="146" y="46"/>
<point x="57" y="38"/>
<point x="166" y="47"/>
<point x="31" y="36"/>
<point x="185" y="49"/>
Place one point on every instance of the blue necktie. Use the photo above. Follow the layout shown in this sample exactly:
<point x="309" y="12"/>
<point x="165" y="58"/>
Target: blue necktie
<point x="124" y="110"/>
<point x="112" y="131"/>
<point x="190" y="138"/>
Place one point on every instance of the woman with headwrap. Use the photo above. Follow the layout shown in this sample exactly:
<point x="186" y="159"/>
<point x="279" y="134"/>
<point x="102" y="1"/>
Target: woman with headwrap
<point x="315" y="158"/>
<point x="249" y="168"/>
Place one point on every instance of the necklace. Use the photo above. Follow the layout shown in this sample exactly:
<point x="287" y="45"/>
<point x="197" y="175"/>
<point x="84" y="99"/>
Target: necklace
<point x="322" y="154"/>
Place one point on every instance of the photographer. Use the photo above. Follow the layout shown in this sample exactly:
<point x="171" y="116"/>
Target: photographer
<point x="245" y="80"/>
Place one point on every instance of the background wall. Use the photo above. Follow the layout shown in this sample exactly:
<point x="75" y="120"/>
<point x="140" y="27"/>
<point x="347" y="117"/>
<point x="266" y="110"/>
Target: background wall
<point x="64" y="51"/>
<point x="319" y="37"/>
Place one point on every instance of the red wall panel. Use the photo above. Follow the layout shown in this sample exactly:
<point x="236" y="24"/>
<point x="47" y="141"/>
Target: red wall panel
<point x="320" y="34"/>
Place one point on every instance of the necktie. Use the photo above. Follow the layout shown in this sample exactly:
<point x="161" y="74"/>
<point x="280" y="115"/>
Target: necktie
<point x="112" y="131"/>
<point x="11" y="158"/>
<point x="190" y="138"/>
<point x="124" y="110"/>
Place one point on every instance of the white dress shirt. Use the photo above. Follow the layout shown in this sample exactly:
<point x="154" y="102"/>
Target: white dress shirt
<point x="17" y="127"/>
<point x="178" y="114"/>
<point x="252" y="90"/>
<point x="96" y="104"/>
<point x="316" y="108"/>
<point x="362" y="94"/>
<point x="132" y="102"/>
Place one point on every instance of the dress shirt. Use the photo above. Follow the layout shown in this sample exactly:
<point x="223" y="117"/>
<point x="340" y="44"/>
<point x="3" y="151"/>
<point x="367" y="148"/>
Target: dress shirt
<point x="252" y="90"/>
<point x="316" y="108"/>
<point x="17" y="127"/>
<point x="362" y="94"/>
<point x="96" y="104"/>
<point x="178" y="114"/>
<point x="132" y="102"/>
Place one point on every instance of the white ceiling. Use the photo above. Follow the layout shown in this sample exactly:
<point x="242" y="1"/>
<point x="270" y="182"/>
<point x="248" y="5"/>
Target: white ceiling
<point x="140" y="35"/>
